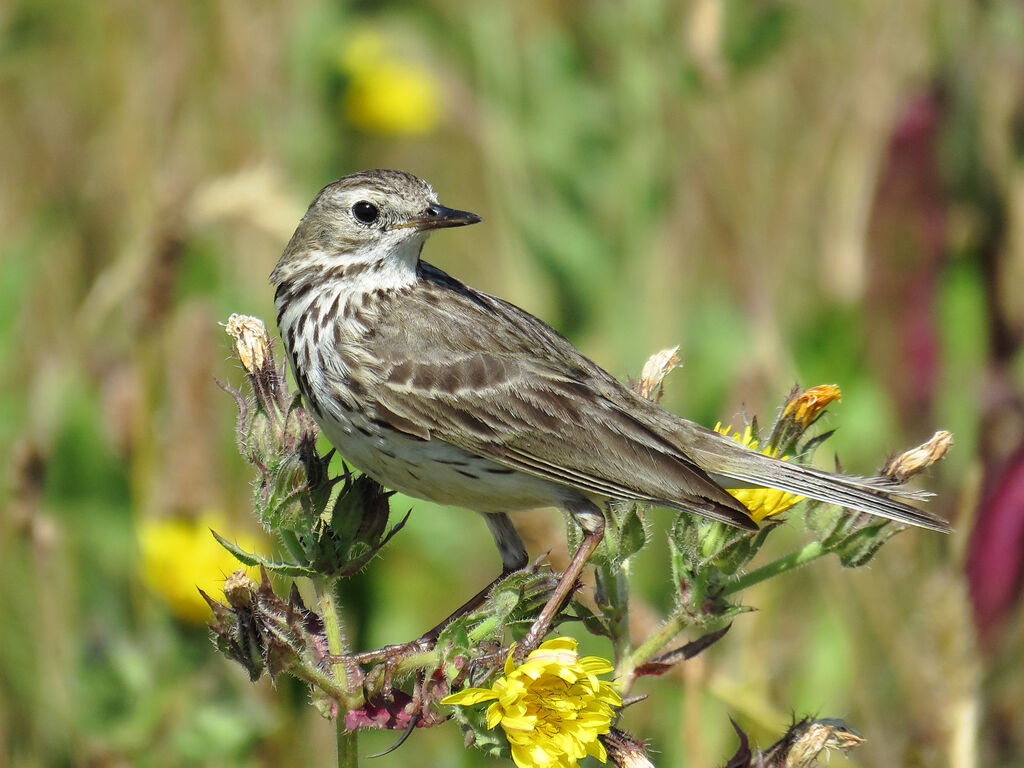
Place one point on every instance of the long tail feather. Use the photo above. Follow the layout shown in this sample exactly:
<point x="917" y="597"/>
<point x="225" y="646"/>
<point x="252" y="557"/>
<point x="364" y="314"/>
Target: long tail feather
<point x="722" y="457"/>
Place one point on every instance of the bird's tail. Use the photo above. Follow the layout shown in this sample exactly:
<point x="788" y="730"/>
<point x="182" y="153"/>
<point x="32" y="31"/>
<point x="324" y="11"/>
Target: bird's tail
<point x="726" y="460"/>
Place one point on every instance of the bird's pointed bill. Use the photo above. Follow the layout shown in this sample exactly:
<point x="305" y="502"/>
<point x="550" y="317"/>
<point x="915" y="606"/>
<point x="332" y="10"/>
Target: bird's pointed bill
<point x="439" y="216"/>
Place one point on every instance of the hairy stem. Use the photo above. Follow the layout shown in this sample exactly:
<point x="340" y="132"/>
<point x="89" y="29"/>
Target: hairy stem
<point x="613" y="585"/>
<point x="321" y="680"/>
<point x="348" y="756"/>
<point x="348" y="746"/>
<point x="650" y="647"/>
<point x="810" y="552"/>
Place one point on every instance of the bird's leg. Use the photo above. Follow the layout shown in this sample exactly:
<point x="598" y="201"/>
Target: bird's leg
<point x="591" y="519"/>
<point x="513" y="558"/>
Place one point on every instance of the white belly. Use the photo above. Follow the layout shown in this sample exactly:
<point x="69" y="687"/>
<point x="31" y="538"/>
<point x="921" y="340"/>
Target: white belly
<point x="438" y="471"/>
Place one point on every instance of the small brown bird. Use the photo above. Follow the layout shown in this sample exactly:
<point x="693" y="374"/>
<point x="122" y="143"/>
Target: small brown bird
<point x="449" y="394"/>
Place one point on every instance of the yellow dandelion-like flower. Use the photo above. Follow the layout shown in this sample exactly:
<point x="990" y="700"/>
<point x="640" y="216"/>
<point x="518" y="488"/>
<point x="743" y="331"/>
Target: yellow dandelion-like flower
<point x="179" y="555"/>
<point x="362" y="49"/>
<point x="552" y="707"/>
<point x="386" y="94"/>
<point x="809" y="403"/>
<point x="760" y="502"/>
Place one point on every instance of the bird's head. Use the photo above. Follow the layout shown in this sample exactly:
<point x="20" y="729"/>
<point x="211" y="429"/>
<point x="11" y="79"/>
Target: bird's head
<point x="374" y="218"/>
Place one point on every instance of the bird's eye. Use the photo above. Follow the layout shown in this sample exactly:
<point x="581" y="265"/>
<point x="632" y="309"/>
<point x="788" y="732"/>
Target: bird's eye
<point x="366" y="212"/>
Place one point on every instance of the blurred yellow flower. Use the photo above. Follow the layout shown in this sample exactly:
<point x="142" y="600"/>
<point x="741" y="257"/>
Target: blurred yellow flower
<point x="179" y="555"/>
<point x="760" y="502"/>
<point x="552" y="707"/>
<point x="811" y="402"/>
<point x="386" y="94"/>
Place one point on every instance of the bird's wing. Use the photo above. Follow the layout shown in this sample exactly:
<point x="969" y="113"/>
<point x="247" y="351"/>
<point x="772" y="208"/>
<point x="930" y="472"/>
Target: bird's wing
<point x="457" y="365"/>
<point x="454" y="365"/>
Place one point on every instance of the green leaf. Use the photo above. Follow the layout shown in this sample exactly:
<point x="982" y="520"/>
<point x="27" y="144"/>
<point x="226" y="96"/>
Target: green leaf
<point x="633" y="533"/>
<point x="858" y="549"/>
<point x="829" y="524"/>
<point x="280" y="567"/>
<point x="742" y="549"/>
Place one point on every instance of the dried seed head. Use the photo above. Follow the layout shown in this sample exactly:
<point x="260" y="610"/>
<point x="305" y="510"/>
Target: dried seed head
<point x="654" y="371"/>
<point x="805" y="740"/>
<point x="252" y="342"/>
<point x="916" y="460"/>
<point x="625" y="750"/>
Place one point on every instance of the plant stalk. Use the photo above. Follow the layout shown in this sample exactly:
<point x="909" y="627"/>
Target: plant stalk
<point x="348" y="741"/>
<point x="614" y="581"/>
<point x="808" y="553"/>
<point x="649" y="648"/>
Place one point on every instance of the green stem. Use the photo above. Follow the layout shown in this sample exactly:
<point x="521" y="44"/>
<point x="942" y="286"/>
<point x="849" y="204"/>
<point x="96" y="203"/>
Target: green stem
<point x="650" y="647"/>
<point x="615" y="585"/>
<point x="348" y="756"/>
<point x="700" y="585"/>
<point x="661" y="637"/>
<point x="415" y="662"/>
<point x="320" y="679"/>
<point x="348" y="746"/>
<point x="810" y="552"/>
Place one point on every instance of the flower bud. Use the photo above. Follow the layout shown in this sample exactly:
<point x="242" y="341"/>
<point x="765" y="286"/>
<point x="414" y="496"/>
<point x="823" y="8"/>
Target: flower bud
<point x="805" y="407"/>
<point x="236" y="628"/>
<point x="799" y="412"/>
<point x="625" y="750"/>
<point x="276" y="434"/>
<point x="239" y="589"/>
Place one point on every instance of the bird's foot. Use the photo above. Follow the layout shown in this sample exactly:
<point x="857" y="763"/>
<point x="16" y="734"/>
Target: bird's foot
<point x="563" y="591"/>
<point x="392" y="654"/>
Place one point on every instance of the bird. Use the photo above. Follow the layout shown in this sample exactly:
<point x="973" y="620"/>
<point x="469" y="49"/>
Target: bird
<point x="450" y="394"/>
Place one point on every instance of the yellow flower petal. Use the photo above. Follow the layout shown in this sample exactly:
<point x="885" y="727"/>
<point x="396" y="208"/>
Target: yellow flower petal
<point x="522" y="723"/>
<point x="552" y="707"/>
<point x="554" y="644"/>
<point x="595" y="665"/>
<point x="469" y="696"/>
<point x="596" y="749"/>
<point x="509" y="663"/>
<point x="494" y="713"/>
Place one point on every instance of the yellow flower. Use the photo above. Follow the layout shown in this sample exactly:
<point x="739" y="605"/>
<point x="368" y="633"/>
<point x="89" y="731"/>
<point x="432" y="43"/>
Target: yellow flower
<point x="179" y="555"/>
<point x="760" y="502"/>
<point x="811" y="402"/>
<point x="552" y="707"/>
<point x="386" y="94"/>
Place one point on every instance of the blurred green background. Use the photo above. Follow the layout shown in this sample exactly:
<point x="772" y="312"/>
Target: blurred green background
<point x="812" y="191"/>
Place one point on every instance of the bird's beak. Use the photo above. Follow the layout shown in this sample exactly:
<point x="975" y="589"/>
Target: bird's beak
<point x="439" y="216"/>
